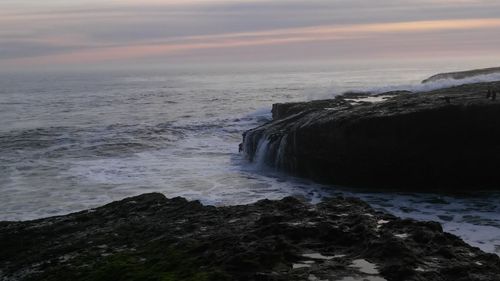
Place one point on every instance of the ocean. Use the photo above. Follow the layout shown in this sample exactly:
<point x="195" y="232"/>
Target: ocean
<point x="79" y="139"/>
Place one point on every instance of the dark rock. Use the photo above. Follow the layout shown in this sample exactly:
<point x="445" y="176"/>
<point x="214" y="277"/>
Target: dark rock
<point x="408" y="141"/>
<point x="150" y="237"/>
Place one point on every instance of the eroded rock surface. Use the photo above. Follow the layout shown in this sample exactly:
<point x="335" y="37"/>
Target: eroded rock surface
<point x="442" y="139"/>
<point x="150" y="237"/>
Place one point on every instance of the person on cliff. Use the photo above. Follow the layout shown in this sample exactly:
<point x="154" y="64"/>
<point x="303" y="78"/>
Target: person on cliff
<point x="491" y="94"/>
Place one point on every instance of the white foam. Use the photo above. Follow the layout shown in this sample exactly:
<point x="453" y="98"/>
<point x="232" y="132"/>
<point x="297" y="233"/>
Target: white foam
<point x="312" y="277"/>
<point x="365" y="266"/>
<point x="318" y="256"/>
<point x="362" y="278"/>
<point x="482" y="231"/>
<point x="264" y="113"/>
<point x="434" y="85"/>
<point x="300" y="265"/>
<point x="281" y="151"/>
<point x="261" y="153"/>
<point x="370" y="99"/>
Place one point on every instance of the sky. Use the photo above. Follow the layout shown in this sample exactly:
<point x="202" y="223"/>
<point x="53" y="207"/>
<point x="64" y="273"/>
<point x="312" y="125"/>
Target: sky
<point x="58" y="33"/>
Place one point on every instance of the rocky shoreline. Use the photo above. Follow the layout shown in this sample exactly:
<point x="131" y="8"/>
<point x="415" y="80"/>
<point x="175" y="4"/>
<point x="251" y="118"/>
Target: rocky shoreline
<point x="150" y="237"/>
<point x="446" y="139"/>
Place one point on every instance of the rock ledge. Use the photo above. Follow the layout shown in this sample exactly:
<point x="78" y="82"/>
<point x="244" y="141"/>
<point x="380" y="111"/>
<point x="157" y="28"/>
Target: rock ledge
<point x="443" y="139"/>
<point x="150" y="237"/>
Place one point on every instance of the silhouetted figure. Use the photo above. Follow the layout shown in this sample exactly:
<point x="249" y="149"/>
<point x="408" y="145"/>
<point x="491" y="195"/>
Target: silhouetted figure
<point x="488" y="95"/>
<point x="447" y="99"/>
<point x="494" y="95"/>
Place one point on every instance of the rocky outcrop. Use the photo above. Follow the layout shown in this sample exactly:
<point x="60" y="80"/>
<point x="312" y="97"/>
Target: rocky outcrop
<point x="463" y="74"/>
<point x="150" y="237"/>
<point x="442" y="139"/>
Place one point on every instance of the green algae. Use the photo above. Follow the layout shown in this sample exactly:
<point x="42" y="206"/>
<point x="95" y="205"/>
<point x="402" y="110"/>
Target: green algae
<point x="152" y="264"/>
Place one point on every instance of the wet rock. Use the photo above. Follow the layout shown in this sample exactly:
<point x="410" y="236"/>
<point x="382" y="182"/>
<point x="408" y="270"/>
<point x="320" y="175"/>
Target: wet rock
<point x="405" y="141"/>
<point x="150" y="237"/>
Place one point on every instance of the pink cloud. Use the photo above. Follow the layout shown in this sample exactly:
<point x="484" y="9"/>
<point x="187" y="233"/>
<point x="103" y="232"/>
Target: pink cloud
<point x="244" y="39"/>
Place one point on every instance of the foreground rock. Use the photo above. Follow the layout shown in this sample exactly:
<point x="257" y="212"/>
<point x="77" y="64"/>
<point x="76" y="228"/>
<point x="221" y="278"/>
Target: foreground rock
<point x="442" y="139"/>
<point x="463" y="74"/>
<point x="150" y="237"/>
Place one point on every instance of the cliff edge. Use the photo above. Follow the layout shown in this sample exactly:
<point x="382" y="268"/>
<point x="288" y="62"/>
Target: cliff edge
<point x="463" y="74"/>
<point x="446" y="139"/>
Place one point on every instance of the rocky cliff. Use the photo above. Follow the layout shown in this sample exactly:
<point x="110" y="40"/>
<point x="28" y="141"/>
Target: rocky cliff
<point x="463" y="74"/>
<point x="150" y="237"/>
<point x="442" y="139"/>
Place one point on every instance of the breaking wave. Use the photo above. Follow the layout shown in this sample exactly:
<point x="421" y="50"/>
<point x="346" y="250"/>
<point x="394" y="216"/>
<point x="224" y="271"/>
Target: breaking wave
<point x="433" y="85"/>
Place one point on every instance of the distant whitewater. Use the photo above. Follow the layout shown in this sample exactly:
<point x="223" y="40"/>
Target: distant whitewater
<point x="460" y="75"/>
<point x="69" y="142"/>
<point x="440" y="81"/>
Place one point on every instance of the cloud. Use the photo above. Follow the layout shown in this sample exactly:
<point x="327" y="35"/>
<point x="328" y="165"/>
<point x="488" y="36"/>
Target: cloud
<point x="258" y="38"/>
<point x="95" y="31"/>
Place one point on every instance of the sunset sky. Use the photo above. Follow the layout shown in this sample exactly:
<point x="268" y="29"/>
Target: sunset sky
<point x="50" y="33"/>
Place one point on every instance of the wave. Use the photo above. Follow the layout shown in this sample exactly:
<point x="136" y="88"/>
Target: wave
<point x="419" y="87"/>
<point x="102" y="141"/>
<point x="463" y="74"/>
<point x="440" y="84"/>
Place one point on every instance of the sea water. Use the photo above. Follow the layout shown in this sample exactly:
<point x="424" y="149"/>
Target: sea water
<point x="76" y="140"/>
